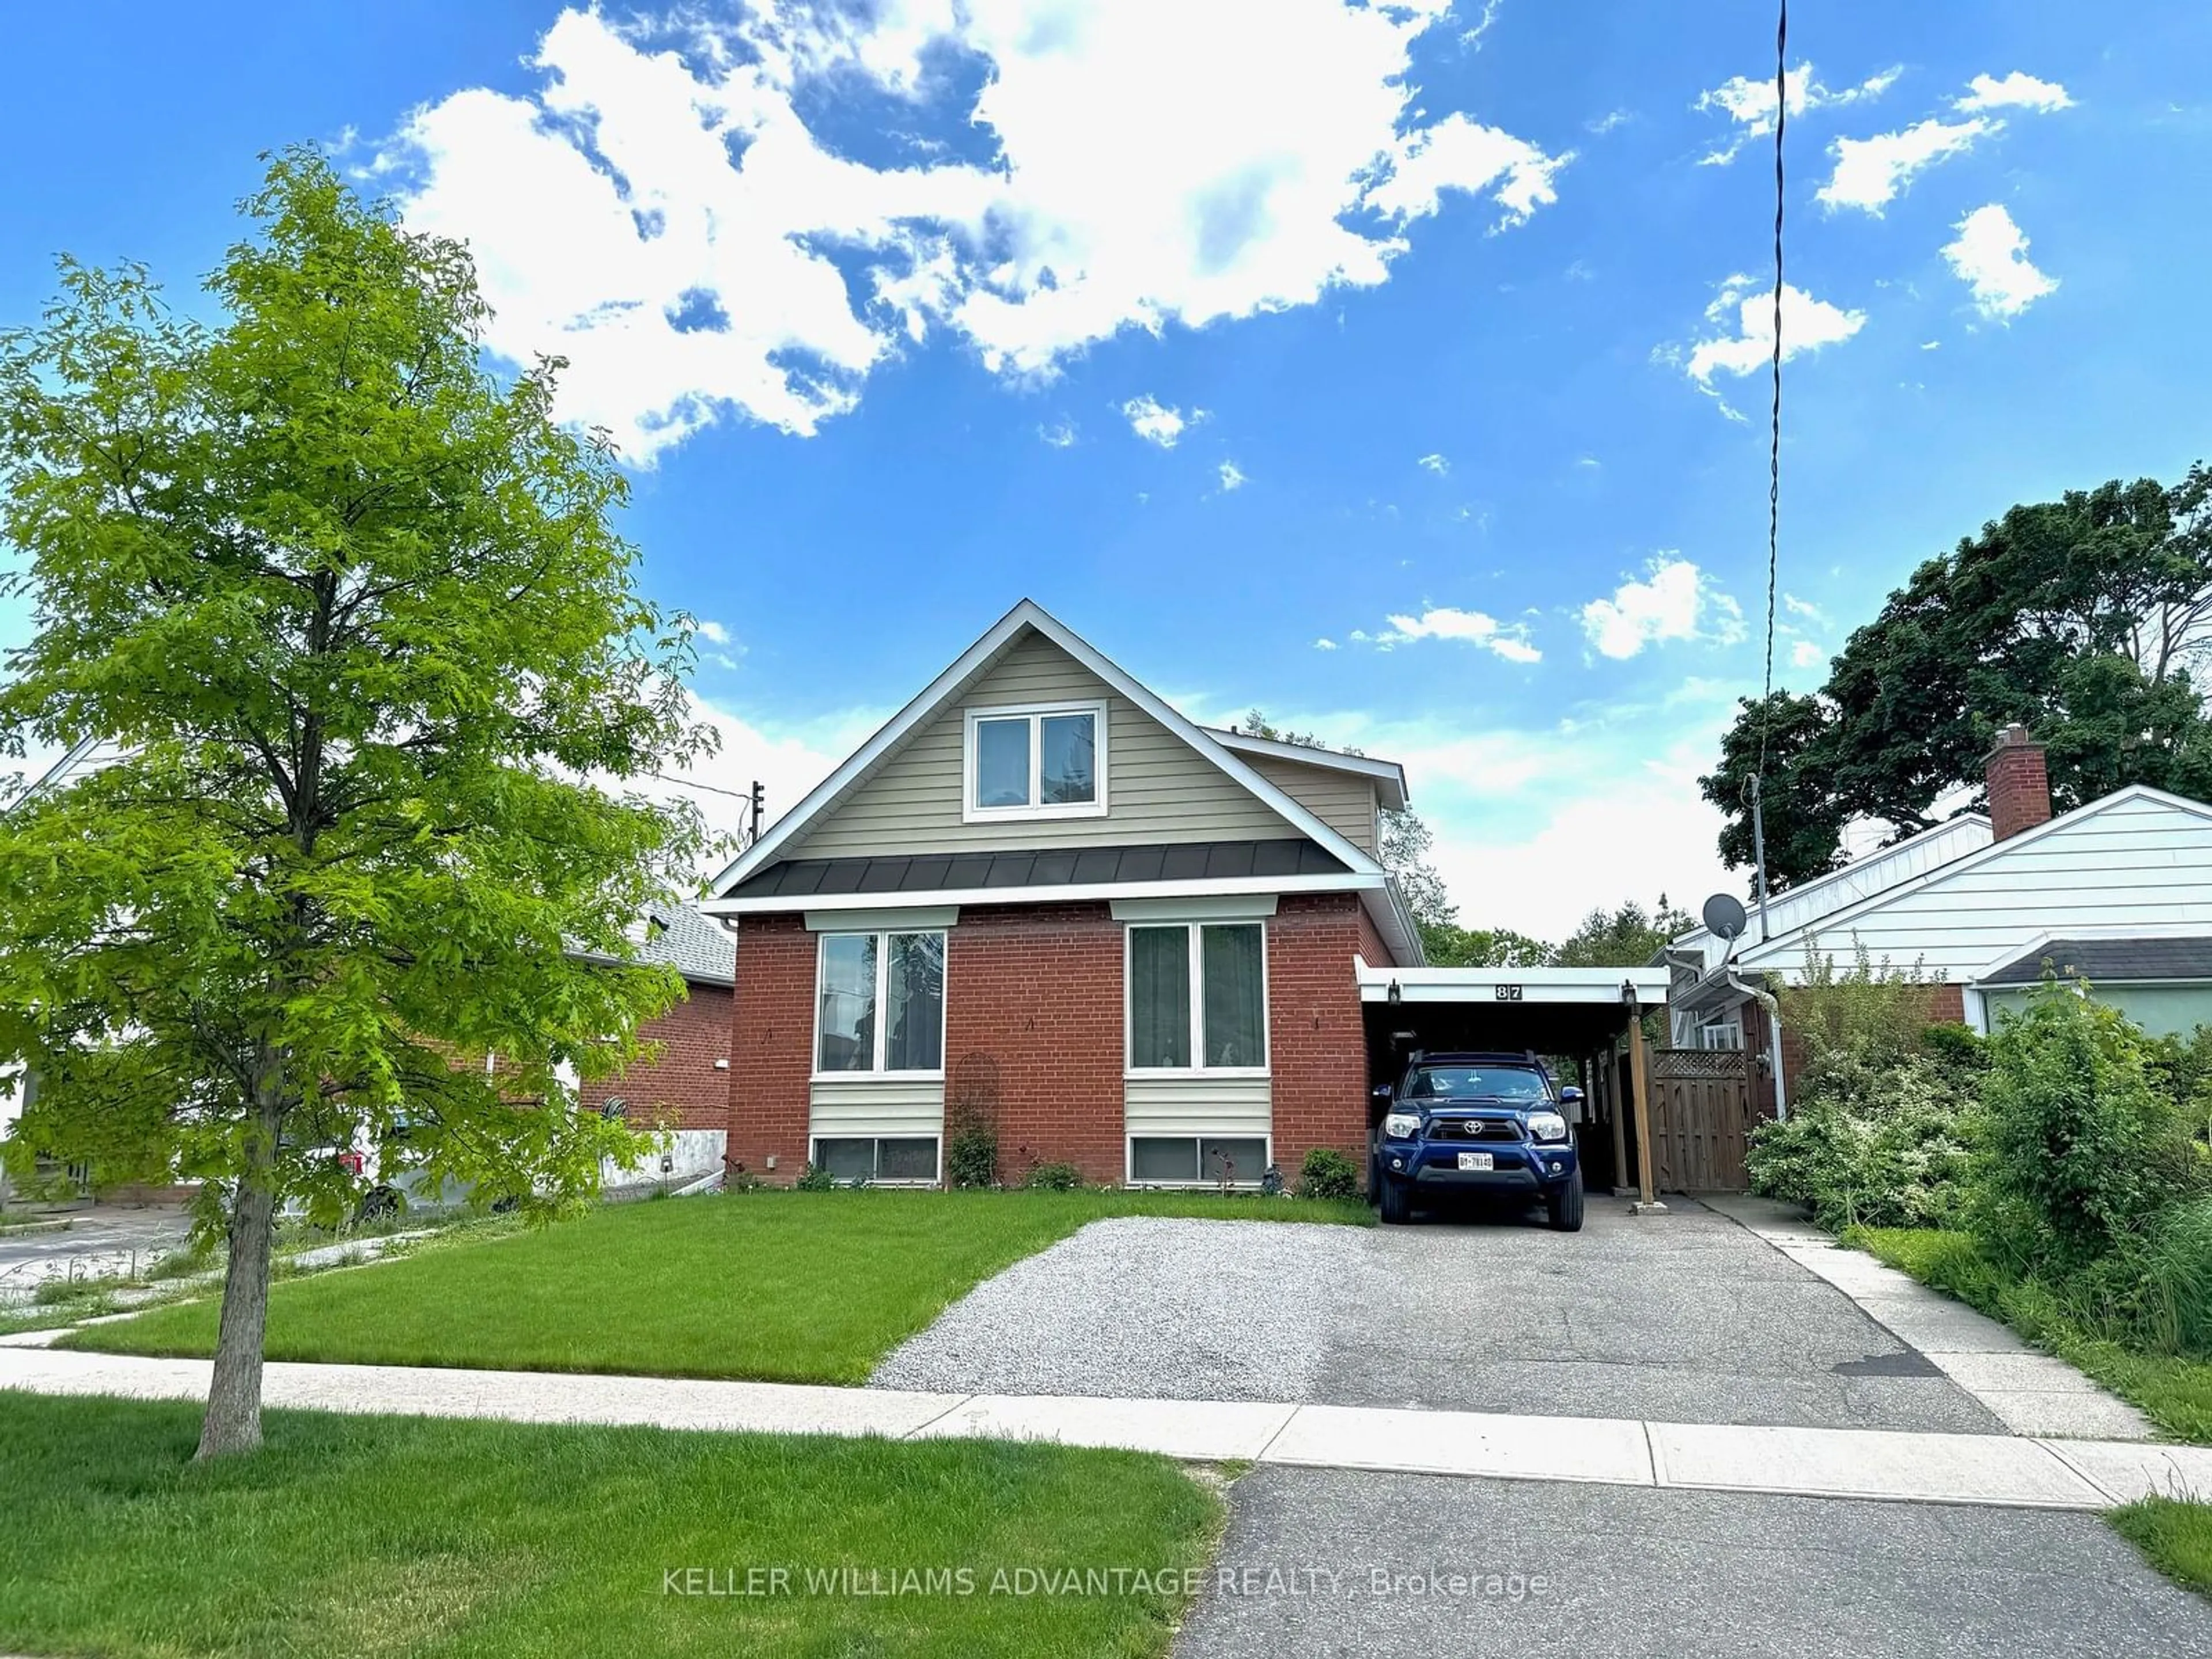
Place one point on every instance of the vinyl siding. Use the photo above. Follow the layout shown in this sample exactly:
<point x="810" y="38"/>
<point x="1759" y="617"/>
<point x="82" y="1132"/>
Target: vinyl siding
<point x="1344" y="801"/>
<point x="880" y="1107"/>
<point x="2160" y="1010"/>
<point x="1156" y="788"/>
<point x="1198" y="1106"/>
<point x="2134" y="862"/>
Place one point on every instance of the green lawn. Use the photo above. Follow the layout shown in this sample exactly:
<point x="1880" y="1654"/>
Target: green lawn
<point x="2174" y="1393"/>
<point x="363" y="1537"/>
<point x="2174" y="1537"/>
<point x="782" y="1286"/>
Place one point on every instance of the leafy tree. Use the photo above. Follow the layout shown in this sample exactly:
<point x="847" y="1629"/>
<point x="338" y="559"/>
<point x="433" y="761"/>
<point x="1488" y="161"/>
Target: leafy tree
<point x="355" y="617"/>
<point x="1628" y="937"/>
<point x="1447" y="945"/>
<point x="2084" y="619"/>
<point x="1408" y="843"/>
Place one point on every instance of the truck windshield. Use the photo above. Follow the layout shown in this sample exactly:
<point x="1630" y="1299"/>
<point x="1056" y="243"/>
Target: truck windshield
<point x="1515" y="1083"/>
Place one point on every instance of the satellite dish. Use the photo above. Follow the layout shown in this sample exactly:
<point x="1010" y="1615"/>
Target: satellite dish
<point x="1726" y="917"/>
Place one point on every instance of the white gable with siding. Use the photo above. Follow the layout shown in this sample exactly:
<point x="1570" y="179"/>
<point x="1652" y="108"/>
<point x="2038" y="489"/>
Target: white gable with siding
<point x="2139" y="860"/>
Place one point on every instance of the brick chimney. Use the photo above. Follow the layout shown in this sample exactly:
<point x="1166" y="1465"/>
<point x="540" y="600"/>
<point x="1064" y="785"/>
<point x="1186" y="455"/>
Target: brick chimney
<point x="2019" y="785"/>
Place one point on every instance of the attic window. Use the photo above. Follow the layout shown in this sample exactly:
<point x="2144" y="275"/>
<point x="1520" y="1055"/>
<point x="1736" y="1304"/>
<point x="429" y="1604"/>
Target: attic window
<point x="1042" y="762"/>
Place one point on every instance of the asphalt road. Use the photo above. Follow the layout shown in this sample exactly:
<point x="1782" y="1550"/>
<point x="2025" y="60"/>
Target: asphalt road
<point x="1326" y="1563"/>
<point x="97" y="1243"/>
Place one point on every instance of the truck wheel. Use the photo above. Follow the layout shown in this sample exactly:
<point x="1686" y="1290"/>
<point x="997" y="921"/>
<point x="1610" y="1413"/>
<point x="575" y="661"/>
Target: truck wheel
<point x="1567" y="1206"/>
<point x="1396" y="1210"/>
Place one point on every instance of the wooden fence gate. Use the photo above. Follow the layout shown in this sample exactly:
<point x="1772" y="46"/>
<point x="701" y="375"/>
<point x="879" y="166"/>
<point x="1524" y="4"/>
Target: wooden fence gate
<point x="1701" y="1116"/>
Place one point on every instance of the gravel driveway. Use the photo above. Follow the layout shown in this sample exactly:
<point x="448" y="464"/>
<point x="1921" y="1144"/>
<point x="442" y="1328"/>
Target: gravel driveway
<point x="1686" y="1317"/>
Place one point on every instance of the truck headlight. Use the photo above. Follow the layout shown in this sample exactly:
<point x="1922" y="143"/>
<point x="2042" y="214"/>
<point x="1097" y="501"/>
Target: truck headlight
<point x="1402" y="1126"/>
<point x="1546" y="1126"/>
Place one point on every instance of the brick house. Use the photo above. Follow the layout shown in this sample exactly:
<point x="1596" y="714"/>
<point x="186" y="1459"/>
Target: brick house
<point x="2115" y="895"/>
<point x="1041" y="899"/>
<point x="685" y="1088"/>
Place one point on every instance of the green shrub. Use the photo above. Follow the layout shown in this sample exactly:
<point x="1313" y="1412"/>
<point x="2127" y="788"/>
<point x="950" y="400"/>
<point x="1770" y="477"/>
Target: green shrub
<point x="971" y="1157"/>
<point x="815" y="1180"/>
<point x="1328" y="1173"/>
<point x="1054" y="1177"/>
<point x="2082" y="1154"/>
<point x="1867" y="1145"/>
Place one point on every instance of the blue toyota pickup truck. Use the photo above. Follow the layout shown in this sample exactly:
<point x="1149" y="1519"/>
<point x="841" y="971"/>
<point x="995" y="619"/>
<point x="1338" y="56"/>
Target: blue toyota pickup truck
<point x="1475" y="1124"/>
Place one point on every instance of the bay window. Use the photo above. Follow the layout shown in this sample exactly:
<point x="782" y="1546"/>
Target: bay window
<point x="879" y="1004"/>
<point x="1198" y="998"/>
<point x="1042" y="762"/>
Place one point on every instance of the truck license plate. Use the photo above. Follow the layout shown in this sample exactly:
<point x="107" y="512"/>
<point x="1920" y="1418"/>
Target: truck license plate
<point x="1477" y="1161"/>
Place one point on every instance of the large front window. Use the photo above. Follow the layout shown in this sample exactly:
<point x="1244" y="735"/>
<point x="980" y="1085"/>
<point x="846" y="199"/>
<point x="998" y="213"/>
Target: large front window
<point x="1198" y="998"/>
<point x="1037" y="763"/>
<point x="880" y="1002"/>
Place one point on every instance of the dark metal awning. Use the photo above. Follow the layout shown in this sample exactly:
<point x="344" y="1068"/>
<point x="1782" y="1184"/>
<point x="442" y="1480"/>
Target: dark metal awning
<point x="1066" y="867"/>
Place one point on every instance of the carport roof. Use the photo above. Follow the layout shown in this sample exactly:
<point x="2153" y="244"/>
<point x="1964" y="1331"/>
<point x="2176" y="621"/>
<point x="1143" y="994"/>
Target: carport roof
<point x="1585" y="987"/>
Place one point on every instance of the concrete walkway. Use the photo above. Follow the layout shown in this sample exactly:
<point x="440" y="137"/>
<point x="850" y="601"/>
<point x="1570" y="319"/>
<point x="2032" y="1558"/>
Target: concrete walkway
<point x="1878" y="1464"/>
<point x="2030" y="1393"/>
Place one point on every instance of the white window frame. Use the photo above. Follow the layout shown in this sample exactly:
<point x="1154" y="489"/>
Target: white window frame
<point x="1034" y="713"/>
<point x="877" y="1073"/>
<point x="1193" y="927"/>
<point x="1129" y="1158"/>
<point x="936" y="1179"/>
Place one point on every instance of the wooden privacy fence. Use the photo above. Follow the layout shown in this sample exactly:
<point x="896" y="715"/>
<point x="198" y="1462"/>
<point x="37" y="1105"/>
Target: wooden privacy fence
<point x="1701" y="1118"/>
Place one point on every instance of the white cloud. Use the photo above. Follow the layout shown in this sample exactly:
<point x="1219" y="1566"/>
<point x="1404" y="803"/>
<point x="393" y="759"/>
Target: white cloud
<point x="1464" y="627"/>
<point x="1807" y="324"/>
<point x="1805" y="608"/>
<point x="1457" y="154"/>
<point x="660" y="210"/>
<point x="1059" y="435"/>
<point x="2016" y="91"/>
<point x="1599" y="126"/>
<point x="1750" y="104"/>
<point x="1436" y="464"/>
<point x="1232" y="476"/>
<point x="1324" y="644"/>
<point x="1155" y="423"/>
<point x="1483" y="24"/>
<point x="1806" y="654"/>
<point x="714" y="631"/>
<point x="787" y="761"/>
<point x="1871" y="171"/>
<point x="1991" y="257"/>
<point x="1675" y="601"/>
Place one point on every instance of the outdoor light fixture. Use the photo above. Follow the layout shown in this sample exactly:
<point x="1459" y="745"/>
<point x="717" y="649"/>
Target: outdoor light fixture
<point x="1397" y="996"/>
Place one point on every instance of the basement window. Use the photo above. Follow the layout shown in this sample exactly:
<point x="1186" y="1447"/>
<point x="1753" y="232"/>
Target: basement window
<point x="881" y="1159"/>
<point x="1196" y="1160"/>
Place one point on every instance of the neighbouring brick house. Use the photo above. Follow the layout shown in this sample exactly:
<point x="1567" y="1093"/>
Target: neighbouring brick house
<point x="685" y="1088"/>
<point x="2115" y="895"/>
<point x="1040" y="897"/>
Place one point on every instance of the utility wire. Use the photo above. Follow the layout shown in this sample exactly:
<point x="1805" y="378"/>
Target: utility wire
<point x="1774" y="450"/>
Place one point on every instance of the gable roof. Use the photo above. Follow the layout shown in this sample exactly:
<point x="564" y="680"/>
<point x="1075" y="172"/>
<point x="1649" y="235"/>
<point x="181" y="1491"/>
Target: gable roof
<point x="674" y="935"/>
<point x="1388" y="776"/>
<point x="1023" y="619"/>
<point x="1805" y="905"/>
<point x="1776" y="949"/>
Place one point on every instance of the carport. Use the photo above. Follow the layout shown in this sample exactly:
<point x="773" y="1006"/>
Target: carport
<point x="1588" y="1015"/>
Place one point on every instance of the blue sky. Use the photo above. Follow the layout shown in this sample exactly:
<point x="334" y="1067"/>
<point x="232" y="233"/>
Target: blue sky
<point x="1226" y="329"/>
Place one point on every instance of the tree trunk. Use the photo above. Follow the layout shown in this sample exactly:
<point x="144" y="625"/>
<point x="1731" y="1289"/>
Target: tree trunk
<point x="233" y="1409"/>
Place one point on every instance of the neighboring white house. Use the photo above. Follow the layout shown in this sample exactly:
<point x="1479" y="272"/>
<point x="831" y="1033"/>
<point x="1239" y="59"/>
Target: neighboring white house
<point x="2115" y="895"/>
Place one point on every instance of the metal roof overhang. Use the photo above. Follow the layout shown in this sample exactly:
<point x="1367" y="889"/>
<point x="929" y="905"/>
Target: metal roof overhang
<point x="1550" y="1011"/>
<point x="1584" y="986"/>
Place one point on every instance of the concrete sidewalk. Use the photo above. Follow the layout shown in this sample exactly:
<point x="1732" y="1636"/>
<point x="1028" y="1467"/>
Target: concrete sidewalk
<point x="2030" y="1393"/>
<point x="1878" y="1464"/>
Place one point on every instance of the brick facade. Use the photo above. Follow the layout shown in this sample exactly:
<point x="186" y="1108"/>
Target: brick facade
<point x="683" y="1088"/>
<point x="1316" y="1038"/>
<point x="771" y="1047"/>
<point x="1033" y="1033"/>
<point x="1034" y="1038"/>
